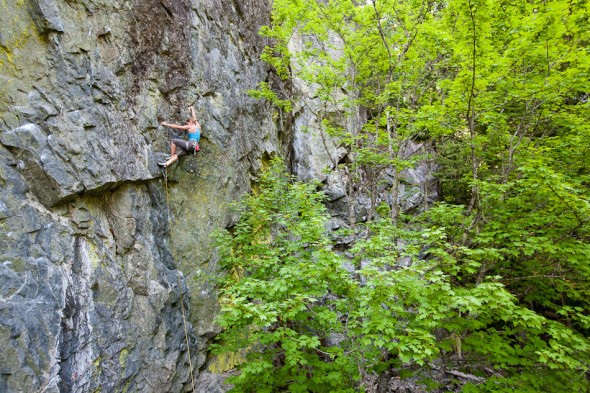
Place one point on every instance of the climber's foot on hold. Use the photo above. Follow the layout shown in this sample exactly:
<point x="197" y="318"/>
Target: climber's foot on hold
<point x="162" y="164"/>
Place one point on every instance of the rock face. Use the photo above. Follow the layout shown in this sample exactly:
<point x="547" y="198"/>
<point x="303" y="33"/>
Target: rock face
<point x="97" y="289"/>
<point x="315" y="156"/>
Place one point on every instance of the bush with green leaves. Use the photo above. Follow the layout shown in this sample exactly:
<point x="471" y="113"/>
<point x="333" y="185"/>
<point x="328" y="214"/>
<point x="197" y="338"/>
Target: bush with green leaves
<point x="495" y="280"/>
<point x="307" y="324"/>
<point x="285" y="292"/>
<point x="441" y="310"/>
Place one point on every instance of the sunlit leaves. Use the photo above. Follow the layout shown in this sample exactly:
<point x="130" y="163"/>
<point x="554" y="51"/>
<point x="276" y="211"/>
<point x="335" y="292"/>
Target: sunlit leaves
<point x="496" y="279"/>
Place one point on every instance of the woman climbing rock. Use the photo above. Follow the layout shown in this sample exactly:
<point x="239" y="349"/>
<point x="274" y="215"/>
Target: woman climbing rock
<point x="190" y="146"/>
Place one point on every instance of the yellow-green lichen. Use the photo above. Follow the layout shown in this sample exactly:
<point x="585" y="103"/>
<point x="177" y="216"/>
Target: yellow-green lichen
<point x="22" y="46"/>
<point x="123" y="356"/>
<point x="93" y="256"/>
<point x="226" y="362"/>
<point x="125" y="388"/>
<point x="97" y="365"/>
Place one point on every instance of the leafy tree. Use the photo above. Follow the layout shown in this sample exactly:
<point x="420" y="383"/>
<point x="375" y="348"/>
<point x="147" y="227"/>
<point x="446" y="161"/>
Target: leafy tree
<point x="494" y="280"/>
<point x="372" y="65"/>
<point x="476" y="322"/>
<point x="306" y="325"/>
<point x="282" y="299"/>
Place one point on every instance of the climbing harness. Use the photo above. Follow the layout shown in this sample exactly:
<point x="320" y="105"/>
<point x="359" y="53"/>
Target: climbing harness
<point x="195" y="146"/>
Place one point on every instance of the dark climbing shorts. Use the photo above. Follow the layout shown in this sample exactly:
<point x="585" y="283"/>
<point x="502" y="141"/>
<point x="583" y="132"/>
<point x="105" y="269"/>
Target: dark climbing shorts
<point x="185" y="147"/>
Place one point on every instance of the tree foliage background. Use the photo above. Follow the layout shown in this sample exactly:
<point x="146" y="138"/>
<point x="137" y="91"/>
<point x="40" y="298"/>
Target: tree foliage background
<point x="498" y="284"/>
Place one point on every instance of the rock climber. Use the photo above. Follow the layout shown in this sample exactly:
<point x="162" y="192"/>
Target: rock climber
<point x="190" y="146"/>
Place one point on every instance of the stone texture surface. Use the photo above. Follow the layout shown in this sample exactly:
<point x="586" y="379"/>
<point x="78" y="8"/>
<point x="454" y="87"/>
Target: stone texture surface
<point x="97" y="289"/>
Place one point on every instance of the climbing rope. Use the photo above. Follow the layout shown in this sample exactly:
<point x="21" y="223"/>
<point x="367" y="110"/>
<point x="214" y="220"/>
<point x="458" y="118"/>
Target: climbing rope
<point x="188" y="347"/>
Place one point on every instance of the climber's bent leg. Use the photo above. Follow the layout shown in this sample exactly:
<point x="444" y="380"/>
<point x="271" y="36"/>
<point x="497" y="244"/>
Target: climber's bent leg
<point x="178" y="148"/>
<point x="181" y="147"/>
<point x="172" y="148"/>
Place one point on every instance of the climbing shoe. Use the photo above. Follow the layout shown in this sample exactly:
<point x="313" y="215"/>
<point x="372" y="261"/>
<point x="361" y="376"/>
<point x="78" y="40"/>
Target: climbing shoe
<point x="162" y="164"/>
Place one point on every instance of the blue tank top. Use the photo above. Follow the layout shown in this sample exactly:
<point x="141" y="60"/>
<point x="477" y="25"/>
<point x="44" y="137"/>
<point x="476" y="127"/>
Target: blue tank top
<point x="194" y="136"/>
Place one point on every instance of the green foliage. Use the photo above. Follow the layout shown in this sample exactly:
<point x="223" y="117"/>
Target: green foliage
<point x="282" y="297"/>
<point x="438" y="307"/>
<point x="264" y="92"/>
<point x="288" y="301"/>
<point x="520" y="343"/>
<point x="495" y="280"/>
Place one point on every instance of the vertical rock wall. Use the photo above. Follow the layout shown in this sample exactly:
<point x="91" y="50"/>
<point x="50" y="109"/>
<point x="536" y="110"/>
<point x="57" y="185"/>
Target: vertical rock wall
<point x="98" y="292"/>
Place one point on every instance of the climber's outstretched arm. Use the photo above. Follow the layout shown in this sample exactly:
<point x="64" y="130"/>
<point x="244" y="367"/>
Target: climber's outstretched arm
<point x="177" y="126"/>
<point x="194" y="117"/>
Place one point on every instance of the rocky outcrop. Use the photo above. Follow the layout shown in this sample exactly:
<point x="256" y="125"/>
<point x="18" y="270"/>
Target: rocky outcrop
<point x="104" y="264"/>
<point x="316" y="156"/>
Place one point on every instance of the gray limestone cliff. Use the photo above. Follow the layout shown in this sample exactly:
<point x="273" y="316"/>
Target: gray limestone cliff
<point x="103" y="263"/>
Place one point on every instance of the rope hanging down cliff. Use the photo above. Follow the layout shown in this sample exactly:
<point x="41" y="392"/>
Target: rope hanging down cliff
<point x="188" y="347"/>
<point x="190" y="146"/>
